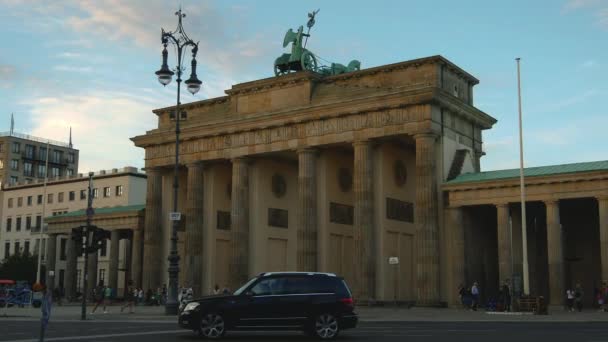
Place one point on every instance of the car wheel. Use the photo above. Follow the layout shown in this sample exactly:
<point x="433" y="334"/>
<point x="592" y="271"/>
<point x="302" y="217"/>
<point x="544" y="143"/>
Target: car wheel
<point x="326" y="326"/>
<point x="212" y="326"/>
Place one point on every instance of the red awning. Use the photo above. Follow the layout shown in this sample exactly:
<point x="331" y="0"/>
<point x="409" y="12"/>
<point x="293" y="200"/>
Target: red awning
<point x="7" y="282"/>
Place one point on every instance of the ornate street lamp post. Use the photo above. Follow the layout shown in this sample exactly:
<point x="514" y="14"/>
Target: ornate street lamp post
<point x="181" y="41"/>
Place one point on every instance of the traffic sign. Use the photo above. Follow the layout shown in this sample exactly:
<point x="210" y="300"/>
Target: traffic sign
<point x="393" y="260"/>
<point x="175" y="216"/>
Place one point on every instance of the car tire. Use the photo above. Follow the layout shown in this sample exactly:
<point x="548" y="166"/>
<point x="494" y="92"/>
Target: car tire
<point x="325" y="326"/>
<point x="213" y="326"/>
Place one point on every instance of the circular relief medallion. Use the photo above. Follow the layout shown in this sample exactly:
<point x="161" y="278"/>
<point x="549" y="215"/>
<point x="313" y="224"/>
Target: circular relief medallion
<point x="400" y="173"/>
<point x="345" y="179"/>
<point x="279" y="186"/>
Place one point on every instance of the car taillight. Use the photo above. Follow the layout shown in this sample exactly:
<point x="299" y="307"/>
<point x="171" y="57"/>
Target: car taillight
<point x="347" y="301"/>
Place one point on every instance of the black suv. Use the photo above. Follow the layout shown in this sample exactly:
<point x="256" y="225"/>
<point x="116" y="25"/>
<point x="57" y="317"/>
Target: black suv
<point x="320" y="304"/>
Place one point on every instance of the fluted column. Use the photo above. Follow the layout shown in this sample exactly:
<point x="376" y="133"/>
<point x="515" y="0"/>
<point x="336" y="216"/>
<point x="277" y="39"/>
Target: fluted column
<point x="239" y="220"/>
<point x="136" y="255"/>
<point x="307" y="210"/>
<point x="70" y="269"/>
<point x="363" y="232"/>
<point x="603" y="212"/>
<point x="152" y="264"/>
<point x="555" y="253"/>
<point x="505" y="269"/>
<point x="113" y="269"/>
<point x="425" y="215"/>
<point x="456" y="260"/>
<point x="51" y="260"/>
<point x="193" y="249"/>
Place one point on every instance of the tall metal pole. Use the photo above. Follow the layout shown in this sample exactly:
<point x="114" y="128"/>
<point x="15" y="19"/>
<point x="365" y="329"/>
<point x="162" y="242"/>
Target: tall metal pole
<point x="171" y="305"/>
<point x="46" y="177"/>
<point x="524" y="235"/>
<point x="85" y="234"/>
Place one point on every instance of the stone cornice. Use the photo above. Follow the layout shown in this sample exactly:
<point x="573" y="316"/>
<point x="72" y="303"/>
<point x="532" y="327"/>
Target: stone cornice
<point x="273" y="82"/>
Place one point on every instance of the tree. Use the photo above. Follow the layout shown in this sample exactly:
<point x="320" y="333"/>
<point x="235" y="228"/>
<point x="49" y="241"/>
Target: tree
<point x="20" y="266"/>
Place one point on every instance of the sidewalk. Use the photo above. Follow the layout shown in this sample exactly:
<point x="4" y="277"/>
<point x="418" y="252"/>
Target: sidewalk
<point x="366" y="314"/>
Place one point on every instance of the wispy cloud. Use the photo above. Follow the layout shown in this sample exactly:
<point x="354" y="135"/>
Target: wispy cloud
<point x="7" y="72"/>
<point x="71" y="68"/>
<point x="588" y="64"/>
<point x="599" y="9"/>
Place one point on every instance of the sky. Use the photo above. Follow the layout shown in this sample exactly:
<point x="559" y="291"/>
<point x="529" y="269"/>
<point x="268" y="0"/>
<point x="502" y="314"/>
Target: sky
<point x="90" y="65"/>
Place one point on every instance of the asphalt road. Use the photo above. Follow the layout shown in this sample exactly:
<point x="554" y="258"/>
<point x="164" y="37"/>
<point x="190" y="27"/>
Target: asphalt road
<point x="151" y="331"/>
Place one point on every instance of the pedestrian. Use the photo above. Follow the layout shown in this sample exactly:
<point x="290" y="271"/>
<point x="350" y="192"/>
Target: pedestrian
<point x="107" y="297"/>
<point x="163" y="294"/>
<point x="462" y="292"/>
<point x="570" y="299"/>
<point x="578" y="297"/>
<point x="474" y="296"/>
<point x="130" y="295"/>
<point x="216" y="290"/>
<point x="98" y="294"/>
<point x="226" y="290"/>
<point x="140" y="295"/>
<point x="506" y="296"/>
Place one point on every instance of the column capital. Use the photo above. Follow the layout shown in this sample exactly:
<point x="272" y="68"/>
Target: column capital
<point x="362" y="142"/>
<point x="551" y="201"/>
<point x="602" y="198"/>
<point x="501" y="205"/>
<point x="150" y="169"/>
<point x="196" y="163"/>
<point x="240" y="159"/>
<point x="426" y="135"/>
<point x="307" y="150"/>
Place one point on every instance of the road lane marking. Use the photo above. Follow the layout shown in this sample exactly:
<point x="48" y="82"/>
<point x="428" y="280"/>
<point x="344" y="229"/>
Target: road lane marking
<point x="89" y="337"/>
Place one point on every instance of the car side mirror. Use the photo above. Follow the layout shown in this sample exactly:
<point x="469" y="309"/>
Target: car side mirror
<point x="249" y="293"/>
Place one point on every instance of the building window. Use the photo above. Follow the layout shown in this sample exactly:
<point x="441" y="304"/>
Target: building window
<point x="14" y="179"/>
<point x="27" y="169"/>
<point x="9" y="224"/>
<point x="29" y="201"/>
<point x="106" y="191"/>
<point x="119" y="190"/>
<point x="95" y="193"/>
<point x="15" y="164"/>
<point x="62" y="244"/>
<point x="16" y="147"/>
<point x="102" y="275"/>
<point x="18" y="224"/>
<point x="69" y="172"/>
<point x="72" y="195"/>
<point x="28" y="222"/>
<point x="56" y="158"/>
<point x="17" y="247"/>
<point x="19" y="202"/>
<point x="103" y="251"/>
<point x="39" y="221"/>
<point x="83" y="194"/>
<point x="26" y="247"/>
<point x="55" y="172"/>
<point x="39" y="199"/>
<point x="29" y="151"/>
<point x="41" y="170"/>
<point x="10" y="202"/>
<point x="60" y="197"/>
<point x="71" y="157"/>
<point x="42" y="154"/>
<point x="7" y="249"/>
<point x="49" y="199"/>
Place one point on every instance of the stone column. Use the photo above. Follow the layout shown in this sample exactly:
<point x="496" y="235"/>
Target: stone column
<point x="127" y="264"/>
<point x="153" y="258"/>
<point x="307" y="210"/>
<point x="51" y="260"/>
<point x="505" y="270"/>
<point x="363" y="233"/>
<point x="518" y="250"/>
<point x="193" y="248"/>
<point x="603" y="212"/>
<point x="70" y="269"/>
<point x="113" y="269"/>
<point x="239" y="220"/>
<point x="136" y="255"/>
<point x="555" y="254"/>
<point x="456" y="259"/>
<point x="92" y="272"/>
<point x="425" y="216"/>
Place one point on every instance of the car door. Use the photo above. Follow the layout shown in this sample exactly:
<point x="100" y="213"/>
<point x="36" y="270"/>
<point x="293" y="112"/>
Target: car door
<point x="295" y="301"/>
<point x="257" y="307"/>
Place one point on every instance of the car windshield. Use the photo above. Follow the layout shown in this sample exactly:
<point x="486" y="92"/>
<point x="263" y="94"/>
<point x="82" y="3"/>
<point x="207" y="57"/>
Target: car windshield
<point x="242" y="288"/>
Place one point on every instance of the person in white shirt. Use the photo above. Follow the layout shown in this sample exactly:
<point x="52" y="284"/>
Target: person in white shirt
<point x="570" y="299"/>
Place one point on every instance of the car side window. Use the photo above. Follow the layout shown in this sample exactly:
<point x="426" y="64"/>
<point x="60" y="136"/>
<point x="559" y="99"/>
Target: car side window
<point x="266" y="287"/>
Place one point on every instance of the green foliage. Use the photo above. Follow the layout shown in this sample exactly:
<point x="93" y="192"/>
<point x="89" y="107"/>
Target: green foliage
<point x="20" y="266"/>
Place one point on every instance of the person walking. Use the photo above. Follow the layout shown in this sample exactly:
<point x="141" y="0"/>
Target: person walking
<point x="570" y="299"/>
<point x="578" y="297"/>
<point x="130" y="295"/>
<point x="462" y="292"/>
<point x="506" y="296"/>
<point x="98" y="294"/>
<point x="474" y="296"/>
<point x="107" y="297"/>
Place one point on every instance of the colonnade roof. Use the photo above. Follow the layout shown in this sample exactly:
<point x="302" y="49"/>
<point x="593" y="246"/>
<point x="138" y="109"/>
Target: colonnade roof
<point x="549" y="170"/>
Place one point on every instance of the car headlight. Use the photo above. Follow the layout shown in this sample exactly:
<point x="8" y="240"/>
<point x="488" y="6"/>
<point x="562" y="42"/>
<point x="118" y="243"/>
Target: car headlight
<point x="191" y="306"/>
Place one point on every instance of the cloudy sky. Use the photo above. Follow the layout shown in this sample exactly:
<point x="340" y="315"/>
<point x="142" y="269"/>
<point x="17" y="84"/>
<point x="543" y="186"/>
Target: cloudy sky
<point x="90" y="64"/>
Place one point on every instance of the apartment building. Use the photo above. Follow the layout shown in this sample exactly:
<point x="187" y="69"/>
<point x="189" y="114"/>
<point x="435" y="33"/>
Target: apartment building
<point x="25" y="204"/>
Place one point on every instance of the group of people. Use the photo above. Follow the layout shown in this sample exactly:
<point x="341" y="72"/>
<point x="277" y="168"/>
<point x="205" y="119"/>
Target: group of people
<point x="470" y="297"/>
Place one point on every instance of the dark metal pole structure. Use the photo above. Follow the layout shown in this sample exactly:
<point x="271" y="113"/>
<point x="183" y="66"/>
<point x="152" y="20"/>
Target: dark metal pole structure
<point x="181" y="41"/>
<point x="85" y="249"/>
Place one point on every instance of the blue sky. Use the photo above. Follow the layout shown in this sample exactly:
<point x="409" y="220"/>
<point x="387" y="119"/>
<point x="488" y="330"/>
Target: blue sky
<point x="90" y="64"/>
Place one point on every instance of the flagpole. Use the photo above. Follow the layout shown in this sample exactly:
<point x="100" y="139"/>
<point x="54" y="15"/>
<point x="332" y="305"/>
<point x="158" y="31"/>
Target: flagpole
<point x="524" y="234"/>
<point x="46" y="177"/>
